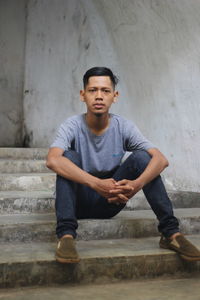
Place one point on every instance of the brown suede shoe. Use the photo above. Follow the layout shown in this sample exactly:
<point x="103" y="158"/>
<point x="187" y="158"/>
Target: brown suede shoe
<point x="182" y="246"/>
<point x="66" y="251"/>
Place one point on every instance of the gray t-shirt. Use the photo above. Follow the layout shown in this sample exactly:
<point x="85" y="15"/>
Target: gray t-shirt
<point x="102" y="154"/>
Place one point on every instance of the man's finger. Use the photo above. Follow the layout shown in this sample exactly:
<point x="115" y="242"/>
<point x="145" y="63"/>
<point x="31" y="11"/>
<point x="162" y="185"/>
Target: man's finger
<point x="113" y="199"/>
<point x="121" y="182"/>
<point x="122" y="189"/>
<point x="118" y="199"/>
<point x="126" y="188"/>
<point x="123" y="197"/>
<point x="116" y="191"/>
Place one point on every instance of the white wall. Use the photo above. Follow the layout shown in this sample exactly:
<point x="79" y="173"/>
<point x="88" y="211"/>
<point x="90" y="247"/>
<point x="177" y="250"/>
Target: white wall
<point x="62" y="44"/>
<point x="12" y="39"/>
<point x="154" y="47"/>
<point x="158" y="48"/>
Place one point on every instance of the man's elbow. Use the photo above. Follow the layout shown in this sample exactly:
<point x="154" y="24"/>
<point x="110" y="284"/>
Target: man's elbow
<point x="165" y="163"/>
<point x="50" y="163"/>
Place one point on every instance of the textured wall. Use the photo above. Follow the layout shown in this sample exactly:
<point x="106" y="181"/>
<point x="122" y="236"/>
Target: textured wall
<point x="62" y="44"/>
<point x="158" y="48"/>
<point x="154" y="47"/>
<point x="12" y="39"/>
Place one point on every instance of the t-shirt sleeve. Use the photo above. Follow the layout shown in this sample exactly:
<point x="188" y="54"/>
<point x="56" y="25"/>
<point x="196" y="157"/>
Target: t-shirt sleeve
<point x="133" y="138"/>
<point x="65" y="136"/>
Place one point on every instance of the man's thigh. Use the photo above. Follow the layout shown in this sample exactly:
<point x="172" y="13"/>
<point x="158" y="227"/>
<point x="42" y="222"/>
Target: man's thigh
<point x="133" y="166"/>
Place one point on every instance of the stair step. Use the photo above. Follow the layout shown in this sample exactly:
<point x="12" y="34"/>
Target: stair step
<point x="23" y="153"/>
<point x="169" y="287"/>
<point x="27" y="182"/>
<point x="127" y="224"/>
<point x="22" y="166"/>
<point x="26" y="202"/>
<point x="180" y="199"/>
<point x="44" y="201"/>
<point x="101" y="260"/>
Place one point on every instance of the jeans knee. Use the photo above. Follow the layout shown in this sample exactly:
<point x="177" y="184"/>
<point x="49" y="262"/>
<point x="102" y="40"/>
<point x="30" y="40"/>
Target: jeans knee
<point x="73" y="156"/>
<point x="140" y="159"/>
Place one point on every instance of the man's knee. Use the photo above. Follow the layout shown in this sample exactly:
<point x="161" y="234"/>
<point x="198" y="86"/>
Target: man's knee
<point x="73" y="156"/>
<point x="140" y="159"/>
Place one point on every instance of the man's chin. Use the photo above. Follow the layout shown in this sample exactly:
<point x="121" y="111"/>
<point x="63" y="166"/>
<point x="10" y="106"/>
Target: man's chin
<point x="98" y="114"/>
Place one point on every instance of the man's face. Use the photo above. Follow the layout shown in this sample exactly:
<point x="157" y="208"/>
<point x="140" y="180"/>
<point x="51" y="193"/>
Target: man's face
<point x="99" y="95"/>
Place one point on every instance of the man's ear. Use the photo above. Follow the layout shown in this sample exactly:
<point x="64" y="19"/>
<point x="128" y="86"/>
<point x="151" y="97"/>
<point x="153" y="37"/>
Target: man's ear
<point x="116" y="95"/>
<point x="82" y="95"/>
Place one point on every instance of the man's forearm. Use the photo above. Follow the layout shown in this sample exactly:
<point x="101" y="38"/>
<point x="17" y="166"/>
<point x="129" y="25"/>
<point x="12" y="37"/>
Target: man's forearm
<point x="156" y="165"/>
<point x="67" y="169"/>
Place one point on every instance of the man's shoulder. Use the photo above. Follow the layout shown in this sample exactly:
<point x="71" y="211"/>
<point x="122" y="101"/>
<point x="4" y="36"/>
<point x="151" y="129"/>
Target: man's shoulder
<point x="117" y="117"/>
<point x="73" y="120"/>
<point x="120" y="119"/>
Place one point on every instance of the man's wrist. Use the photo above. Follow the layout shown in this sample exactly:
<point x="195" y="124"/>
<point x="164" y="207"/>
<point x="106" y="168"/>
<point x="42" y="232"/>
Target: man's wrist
<point x="93" y="182"/>
<point x="139" y="181"/>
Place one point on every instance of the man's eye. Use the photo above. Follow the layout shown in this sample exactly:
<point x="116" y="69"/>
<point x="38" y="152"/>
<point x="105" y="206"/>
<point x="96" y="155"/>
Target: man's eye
<point x="106" y="91"/>
<point x="92" y="90"/>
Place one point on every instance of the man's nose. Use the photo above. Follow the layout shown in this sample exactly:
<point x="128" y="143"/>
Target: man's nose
<point x="99" y="95"/>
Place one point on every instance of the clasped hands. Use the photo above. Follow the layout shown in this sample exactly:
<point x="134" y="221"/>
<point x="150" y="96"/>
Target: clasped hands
<point x="118" y="191"/>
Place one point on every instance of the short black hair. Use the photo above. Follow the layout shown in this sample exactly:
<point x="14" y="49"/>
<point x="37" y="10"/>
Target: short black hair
<point x="99" y="71"/>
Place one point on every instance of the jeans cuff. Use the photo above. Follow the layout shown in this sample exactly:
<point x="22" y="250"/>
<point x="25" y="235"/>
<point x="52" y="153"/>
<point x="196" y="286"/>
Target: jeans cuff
<point x="71" y="232"/>
<point x="170" y="233"/>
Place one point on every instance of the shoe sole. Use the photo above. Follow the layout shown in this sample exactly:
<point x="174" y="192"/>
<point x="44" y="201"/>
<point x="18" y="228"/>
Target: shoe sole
<point x="185" y="257"/>
<point x="67" y="260"/>
<point x="163" y="246"/>
<point x="189" y="258"/>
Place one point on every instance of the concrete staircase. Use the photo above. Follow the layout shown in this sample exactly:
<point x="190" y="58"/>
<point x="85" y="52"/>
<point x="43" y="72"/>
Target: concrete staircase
<point x="125" y="247"/>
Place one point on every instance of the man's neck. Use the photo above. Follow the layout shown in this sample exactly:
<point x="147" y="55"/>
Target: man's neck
<point x="97" y="123"/>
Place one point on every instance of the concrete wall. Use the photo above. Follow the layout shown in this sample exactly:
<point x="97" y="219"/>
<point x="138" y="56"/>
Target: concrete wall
<point x="12" y="40"/>
<point x="158" y="47"/>
<point x="154" y="47"/>
<point x="62" y="44"/>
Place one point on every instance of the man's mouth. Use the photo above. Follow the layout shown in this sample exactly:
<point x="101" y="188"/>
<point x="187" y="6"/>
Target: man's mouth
<point x="98" y="106"/>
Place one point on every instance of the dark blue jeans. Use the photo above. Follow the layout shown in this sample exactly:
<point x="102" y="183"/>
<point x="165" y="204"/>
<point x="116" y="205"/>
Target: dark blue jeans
<point x="75" y="201"/>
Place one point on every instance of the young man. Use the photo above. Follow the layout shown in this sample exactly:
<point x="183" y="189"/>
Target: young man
<point x="91" y="181"/>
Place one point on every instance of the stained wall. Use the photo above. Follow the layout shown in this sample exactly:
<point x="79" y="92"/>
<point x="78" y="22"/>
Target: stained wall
<point x="12" y="45"/>
<point x="154" y="48"/>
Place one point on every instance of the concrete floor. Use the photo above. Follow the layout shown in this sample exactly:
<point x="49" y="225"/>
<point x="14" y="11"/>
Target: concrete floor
<point x="157" y="289"/>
